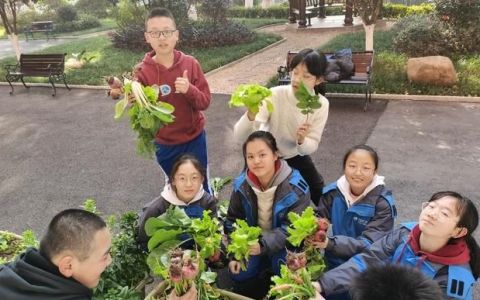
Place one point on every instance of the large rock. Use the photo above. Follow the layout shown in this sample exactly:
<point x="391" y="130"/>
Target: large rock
<point x="433" y="70"/>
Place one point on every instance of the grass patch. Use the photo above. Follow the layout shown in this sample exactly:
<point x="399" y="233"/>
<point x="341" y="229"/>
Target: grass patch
<point x="112" y="61"/>
<point x="256" y="23"/>
<point x="106" y="24"/>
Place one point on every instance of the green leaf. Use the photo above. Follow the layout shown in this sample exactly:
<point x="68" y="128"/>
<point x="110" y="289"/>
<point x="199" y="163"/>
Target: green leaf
<point x="306" y="101"/>
<point x="250" y="96"/>
<point x="301" y="226"/>
<point x="161" y="236"/>
<point x="120" y="108"/>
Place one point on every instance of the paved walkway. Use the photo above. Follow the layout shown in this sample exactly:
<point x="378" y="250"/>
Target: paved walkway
<point x="260" y="67"/>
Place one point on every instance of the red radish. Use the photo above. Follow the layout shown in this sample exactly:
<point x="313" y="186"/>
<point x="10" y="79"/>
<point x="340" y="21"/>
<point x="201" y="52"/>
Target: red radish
<point x="175" y="270"/>
<point x="189" y="270"/>
<point x="320" y="236"/>
<point x="323" y="224"/>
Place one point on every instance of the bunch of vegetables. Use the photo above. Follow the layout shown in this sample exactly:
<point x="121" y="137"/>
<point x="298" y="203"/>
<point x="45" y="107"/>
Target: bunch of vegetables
<point x="306" y="101"/>
<point x="241" y="239"/>
<point x="251" y="96"/>
<point x="166" y="229"/>
<point x="292" y="284"/>
<point x="147" y="114"/>
<point x="308" y="229"/>
<point x="12" y="244"/>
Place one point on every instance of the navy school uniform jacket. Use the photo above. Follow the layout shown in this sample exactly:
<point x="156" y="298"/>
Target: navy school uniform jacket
<point x="456" y="280"/>
<point x="292" y="194"/>
<point x="356" y="227"/>
<point x="33" y="277"/>
<point x="159" y="205"/>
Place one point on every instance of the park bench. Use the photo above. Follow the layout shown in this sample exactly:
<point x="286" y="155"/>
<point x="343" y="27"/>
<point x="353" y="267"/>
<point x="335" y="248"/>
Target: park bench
<point x="40" y="26"/>
<point x="363" y="68"/>
<point x="38" y="65"/>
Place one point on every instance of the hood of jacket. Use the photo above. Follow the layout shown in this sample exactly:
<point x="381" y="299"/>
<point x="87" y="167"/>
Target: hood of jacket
<point x="344" y="187"/>
<point x="171" y="197"/>
<point x="282" y="170"/>
<point x="32" y="276"/>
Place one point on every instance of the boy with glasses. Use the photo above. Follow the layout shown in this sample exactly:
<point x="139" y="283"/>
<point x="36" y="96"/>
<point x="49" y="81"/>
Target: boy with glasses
<point x="182" y="84"/>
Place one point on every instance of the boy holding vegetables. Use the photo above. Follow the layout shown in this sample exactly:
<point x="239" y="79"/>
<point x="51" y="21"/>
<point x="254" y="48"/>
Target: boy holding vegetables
<point x="182" y="84"/>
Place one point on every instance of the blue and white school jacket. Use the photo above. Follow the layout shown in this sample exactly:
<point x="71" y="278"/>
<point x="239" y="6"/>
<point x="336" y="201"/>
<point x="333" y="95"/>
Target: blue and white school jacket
<point x="456" y="281"/>
<point x="292" y="194"/>
<point x="356" y="227"/>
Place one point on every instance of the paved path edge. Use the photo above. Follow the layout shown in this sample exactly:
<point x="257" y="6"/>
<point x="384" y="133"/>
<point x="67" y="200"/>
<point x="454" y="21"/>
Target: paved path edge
<point x="389" y="97"/>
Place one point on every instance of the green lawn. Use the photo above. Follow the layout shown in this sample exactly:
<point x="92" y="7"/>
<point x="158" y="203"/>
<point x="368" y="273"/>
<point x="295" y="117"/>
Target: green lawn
<point x="112" y="61"/>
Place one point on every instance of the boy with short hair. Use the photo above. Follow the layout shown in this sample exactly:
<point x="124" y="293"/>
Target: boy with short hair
<point x="394" y="282"/>
<point x="72" y="256"/>
<point x="182" y="84"/>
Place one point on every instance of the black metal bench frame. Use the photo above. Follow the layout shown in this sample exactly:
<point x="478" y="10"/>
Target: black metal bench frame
<point x="363" y="61"/>
<point x="38" y="65"/>
<point x="40" y="26"/>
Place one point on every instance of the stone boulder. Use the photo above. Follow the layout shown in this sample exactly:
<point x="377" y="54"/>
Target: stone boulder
<point x="432" y="70"/>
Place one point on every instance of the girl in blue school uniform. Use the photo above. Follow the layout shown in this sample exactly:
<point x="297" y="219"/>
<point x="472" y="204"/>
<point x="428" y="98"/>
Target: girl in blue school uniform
<point x="263" y="195"/>
<point x="359" y="206"/>
<point x="440" y="245"/>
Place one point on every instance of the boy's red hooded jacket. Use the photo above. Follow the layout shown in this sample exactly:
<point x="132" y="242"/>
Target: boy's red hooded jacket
<point x="189" y="120"/>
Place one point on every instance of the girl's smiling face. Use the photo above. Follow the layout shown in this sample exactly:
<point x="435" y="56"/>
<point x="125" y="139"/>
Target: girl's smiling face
<point x="260" y="159"/>
<point x="187" y="181"/>
<point x="359" y="170"/>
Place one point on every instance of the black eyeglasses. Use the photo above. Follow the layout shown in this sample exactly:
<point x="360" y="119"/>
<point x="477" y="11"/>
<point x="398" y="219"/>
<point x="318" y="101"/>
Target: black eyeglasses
<point x="165" y="33"/>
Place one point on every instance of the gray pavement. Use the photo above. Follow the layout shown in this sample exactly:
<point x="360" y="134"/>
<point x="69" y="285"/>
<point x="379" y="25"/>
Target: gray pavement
<point x="57" y="151"/>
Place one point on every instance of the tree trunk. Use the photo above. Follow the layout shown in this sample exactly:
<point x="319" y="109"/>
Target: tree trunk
<point x="248" y="3"/>
<point x="369" y="29"/>
<point x="16" y="46"/>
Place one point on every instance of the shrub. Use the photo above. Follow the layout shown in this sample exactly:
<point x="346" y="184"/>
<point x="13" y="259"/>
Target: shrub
<point x="26" y="17"/>
<point x="67" y="13"/>
<point x="214" y="11"/>
<point x="275" y="11"/>
<point x="420" y="36"/>
<point x="130" y="37"/>
<point x="179" y="9"/>
<point x="85" y="22"/>
<point x="206" y="34"/>
<point x="97" y="8"/>
<point x="462" y="21"/>
<point x="395" y="11"/>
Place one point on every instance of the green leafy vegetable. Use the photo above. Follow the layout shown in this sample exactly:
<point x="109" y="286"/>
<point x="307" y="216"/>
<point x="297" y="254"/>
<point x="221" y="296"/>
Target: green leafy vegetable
<point x="242" y="238"/>
<point x="292" y="285"/>
<point x="306" y="101"/>
<point x="251" y="96"/>
<point x="301" y="226"/>
<point x="147" y="114"/>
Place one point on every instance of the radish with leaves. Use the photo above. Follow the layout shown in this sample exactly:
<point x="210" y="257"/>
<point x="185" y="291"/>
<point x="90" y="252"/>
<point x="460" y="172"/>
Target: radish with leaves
<point x="147" y="115"/>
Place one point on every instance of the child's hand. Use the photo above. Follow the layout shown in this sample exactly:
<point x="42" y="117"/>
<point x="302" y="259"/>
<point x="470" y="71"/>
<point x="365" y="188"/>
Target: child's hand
<point x="310" y="241"/>
<point x="182" y="83"/>
<point x="302" y="132"/>
<point x="234" y="267"/>
<point x="255" y="249"/>
<point x="251" y="115"/>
